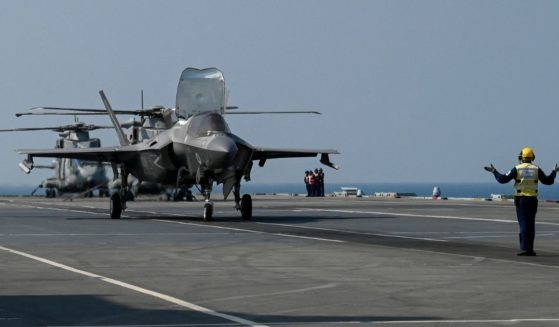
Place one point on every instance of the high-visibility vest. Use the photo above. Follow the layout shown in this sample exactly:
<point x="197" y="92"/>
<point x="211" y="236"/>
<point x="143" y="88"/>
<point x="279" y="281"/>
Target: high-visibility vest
<point x="312" y="179"/>
<point x="526" y="180"/>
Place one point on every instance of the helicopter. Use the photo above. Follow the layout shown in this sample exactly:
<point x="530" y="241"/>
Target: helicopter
<point x="152" y="120"/>
<point x="73" y="175"/>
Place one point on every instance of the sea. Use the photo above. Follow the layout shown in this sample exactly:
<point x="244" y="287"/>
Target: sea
<point x="454" y="189"/>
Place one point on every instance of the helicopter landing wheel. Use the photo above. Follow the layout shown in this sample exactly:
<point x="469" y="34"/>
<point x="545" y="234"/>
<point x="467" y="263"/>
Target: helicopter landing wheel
<point x="116" y="206"/>
<point x="246" y="207"/>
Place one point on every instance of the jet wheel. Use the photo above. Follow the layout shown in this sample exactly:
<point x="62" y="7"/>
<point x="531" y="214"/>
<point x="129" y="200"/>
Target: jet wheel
<point x="208" y="211"/>
<point x="246" y="207"/>
<point x="116" y="206"/>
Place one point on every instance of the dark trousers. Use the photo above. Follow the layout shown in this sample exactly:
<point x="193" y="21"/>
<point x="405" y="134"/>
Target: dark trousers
<point x="313" y="190"/>
<point x="526" y="208"/>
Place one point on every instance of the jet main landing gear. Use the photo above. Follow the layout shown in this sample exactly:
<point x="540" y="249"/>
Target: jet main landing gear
<point x="244" y="203"/>
<point x="116" y="206"/>
<point x="246" y="207"/>
<point x="208" y="204"/>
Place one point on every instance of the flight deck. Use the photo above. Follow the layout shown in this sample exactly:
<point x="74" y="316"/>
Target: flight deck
<point x="298" y="262"/>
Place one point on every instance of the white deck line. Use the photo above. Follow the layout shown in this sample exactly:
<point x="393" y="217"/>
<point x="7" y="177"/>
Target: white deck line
<point x="416" y="215"/>
<point x="161" y="296"/>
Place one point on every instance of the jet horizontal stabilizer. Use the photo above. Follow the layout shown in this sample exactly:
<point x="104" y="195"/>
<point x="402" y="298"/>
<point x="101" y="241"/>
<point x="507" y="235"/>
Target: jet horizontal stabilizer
<point x="325" y="160"/>
<point x="26" y="165"/>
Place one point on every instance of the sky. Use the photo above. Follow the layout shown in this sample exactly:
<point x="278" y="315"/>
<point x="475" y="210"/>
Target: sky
<point x="409" y="91"/>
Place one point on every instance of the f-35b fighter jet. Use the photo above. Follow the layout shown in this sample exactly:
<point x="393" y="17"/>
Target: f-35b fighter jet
<point x="199" y="149"/>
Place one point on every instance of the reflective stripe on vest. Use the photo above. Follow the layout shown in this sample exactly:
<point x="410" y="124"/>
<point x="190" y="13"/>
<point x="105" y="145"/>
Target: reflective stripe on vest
<point x="312" y="179"/>
<point x="526" y="181"/>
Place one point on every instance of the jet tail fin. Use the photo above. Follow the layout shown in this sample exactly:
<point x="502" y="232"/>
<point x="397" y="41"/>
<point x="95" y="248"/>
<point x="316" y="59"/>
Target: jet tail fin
<point x="119" y="132"/>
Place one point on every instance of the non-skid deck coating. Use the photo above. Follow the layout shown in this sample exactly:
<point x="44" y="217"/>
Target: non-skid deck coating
<point x="299" y="262"/>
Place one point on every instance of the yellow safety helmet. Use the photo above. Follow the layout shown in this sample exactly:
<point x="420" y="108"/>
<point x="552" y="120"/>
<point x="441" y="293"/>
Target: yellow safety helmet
<point x="527" y="154"/>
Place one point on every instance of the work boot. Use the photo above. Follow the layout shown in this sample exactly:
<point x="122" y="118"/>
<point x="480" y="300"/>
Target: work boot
<point x="527" y="253"/>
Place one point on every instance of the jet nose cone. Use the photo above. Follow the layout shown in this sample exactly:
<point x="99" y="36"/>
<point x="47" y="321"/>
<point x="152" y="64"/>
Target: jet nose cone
<point x="222" y="150"/>
<point x="222" y="143"/>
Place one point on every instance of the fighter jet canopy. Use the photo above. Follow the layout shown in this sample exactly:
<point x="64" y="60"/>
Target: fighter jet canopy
<point x="200" y="91"/>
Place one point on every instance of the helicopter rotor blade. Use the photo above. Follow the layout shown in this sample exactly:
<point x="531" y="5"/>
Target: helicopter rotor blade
<point x="154" y="111"/>
<point x="271" y="112"/>
<point x="37" y="110"/>
<point x="25" y="129"/>
<point x="19" y="114"/>
<point x="82" y="109"/>
<point x="59" y="129"/>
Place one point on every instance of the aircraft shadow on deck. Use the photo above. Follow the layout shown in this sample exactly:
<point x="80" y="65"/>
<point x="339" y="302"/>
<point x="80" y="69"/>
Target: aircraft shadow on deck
<point x="380" y="238"/>
<point x="49" y="310"/>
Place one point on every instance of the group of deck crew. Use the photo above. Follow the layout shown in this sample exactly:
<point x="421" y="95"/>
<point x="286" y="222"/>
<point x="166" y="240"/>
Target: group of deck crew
<point x="314" y="182"/>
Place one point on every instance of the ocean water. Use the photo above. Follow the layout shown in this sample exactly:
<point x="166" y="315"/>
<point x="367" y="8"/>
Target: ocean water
<point x="473" y="190"/>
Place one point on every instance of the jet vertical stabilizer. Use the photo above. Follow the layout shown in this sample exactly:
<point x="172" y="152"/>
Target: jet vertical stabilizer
<point x="119" y="132"/>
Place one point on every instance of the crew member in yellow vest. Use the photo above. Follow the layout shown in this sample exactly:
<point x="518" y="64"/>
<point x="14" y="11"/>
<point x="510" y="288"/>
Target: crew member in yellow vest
<point x="526" y="176"/>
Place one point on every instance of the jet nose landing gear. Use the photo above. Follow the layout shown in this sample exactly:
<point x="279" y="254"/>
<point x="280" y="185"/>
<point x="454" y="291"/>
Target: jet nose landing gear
<point x="208" y="210"/>
<point x="208" y="205"/>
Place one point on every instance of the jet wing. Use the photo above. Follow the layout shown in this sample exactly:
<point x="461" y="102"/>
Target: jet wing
<point x="263" y="154"/>
<point x="102" y="154"/>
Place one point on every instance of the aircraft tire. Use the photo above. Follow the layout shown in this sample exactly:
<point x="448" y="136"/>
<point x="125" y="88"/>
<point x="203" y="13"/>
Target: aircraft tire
<point x="116" y="206"/>
<point x="246" y="207"/>
<point x="208" y="211"/>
